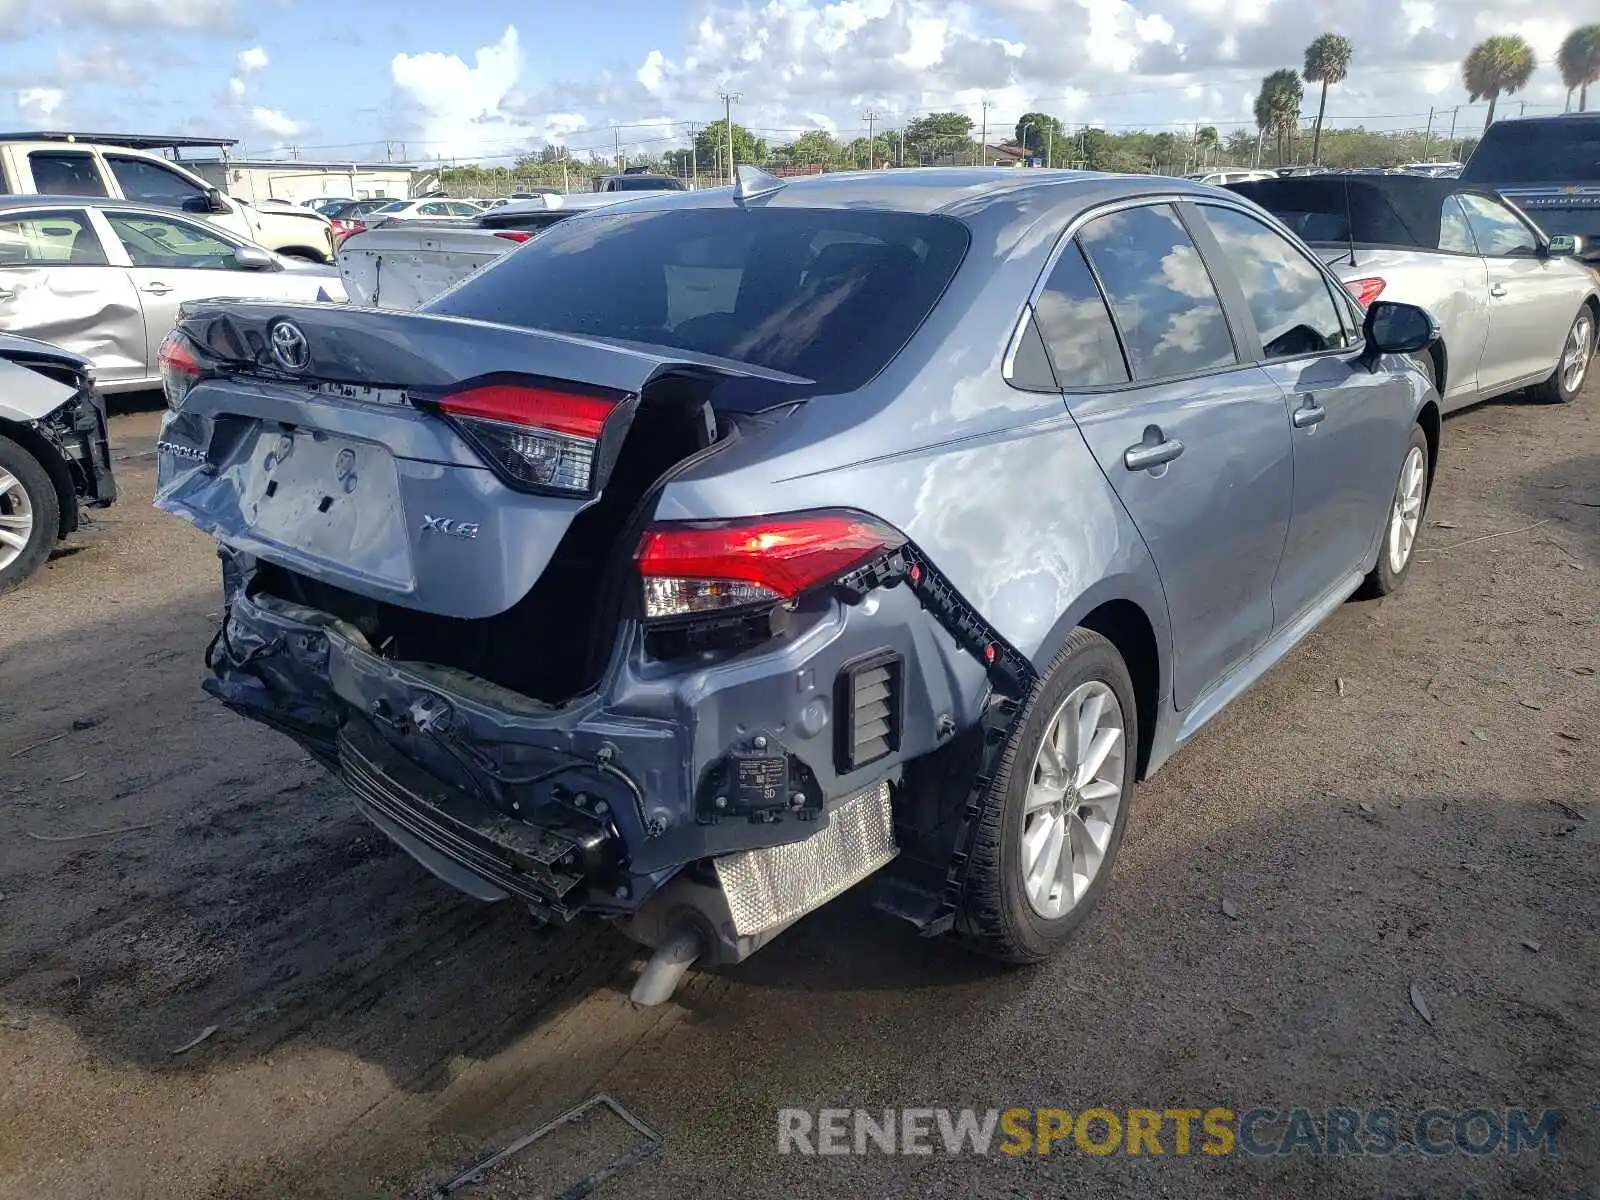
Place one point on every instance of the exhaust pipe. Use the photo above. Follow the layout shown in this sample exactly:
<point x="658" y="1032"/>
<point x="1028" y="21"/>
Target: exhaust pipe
<point x="667" y="967"/>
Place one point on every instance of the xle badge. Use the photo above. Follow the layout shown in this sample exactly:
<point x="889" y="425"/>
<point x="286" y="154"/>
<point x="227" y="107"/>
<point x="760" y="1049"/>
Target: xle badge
<point x="449" y="527"/>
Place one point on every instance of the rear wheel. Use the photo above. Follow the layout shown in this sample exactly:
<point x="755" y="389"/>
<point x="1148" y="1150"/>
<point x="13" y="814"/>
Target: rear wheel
<point x="1055" y="814"/>
<point x="1404" y="522"/>
<point x="1566" y="381"/>
<point x="30" y="514"/>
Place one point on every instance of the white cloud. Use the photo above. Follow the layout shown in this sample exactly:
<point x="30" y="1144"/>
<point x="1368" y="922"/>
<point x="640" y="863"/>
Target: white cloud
<point x="927" y="42"/>
<point x="253" y="59"/>
<point x="38" y="103"/>
<point x="270" y="120"/>
<point x="214" y="15"/>
<point x="649" y="75"/>
<point x="462" y="108"/>
<point x="235" y="89"/>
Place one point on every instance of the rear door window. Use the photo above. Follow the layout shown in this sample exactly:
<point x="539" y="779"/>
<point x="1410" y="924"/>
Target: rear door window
<point x="49" y="239"/>
<point x="1455" y="234"/>
<point x="1497" y="230"/>
<point x="151" y="183"/>
<point x="1288" y="295"/>
<point x="830" y="295"/>
<point x="66" y="173"/>
<point x="1166" y="306"/>
<point x="160" y="242"/>
<point x="1076" y="326"/>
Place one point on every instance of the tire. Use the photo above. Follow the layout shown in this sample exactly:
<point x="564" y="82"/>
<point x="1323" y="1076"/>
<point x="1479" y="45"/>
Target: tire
<point x="997" y="917"/>
<point x="1572" y="368"/>
<point x="1386" y="577"/>
<point x="29" y="509"/>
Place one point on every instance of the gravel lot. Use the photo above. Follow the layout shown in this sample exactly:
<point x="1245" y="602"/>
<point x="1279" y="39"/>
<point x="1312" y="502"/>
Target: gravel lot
<point x="1408" y="800"/>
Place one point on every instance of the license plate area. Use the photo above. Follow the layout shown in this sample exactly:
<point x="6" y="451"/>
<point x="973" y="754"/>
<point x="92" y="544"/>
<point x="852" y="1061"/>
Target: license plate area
<point x="328" y="497"/>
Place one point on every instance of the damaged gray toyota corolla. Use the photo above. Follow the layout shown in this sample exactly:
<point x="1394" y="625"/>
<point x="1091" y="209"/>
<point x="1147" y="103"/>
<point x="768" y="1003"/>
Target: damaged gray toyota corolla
<point x="709" y="552"/>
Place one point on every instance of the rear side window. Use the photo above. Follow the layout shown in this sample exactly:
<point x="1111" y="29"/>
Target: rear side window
<point x="49" y="239"/>
<point x="830" y="295"/>
<point x="1076" y="326"/>
<point x="1163" y="299"/>
<point x="1496" y="229"/>
<point x="527" y="222"/>
<point x="152" y="183"/>
<point x="65" y="173"/>
<point x="1289" y="299"/>
<point x="1537" y="152"/>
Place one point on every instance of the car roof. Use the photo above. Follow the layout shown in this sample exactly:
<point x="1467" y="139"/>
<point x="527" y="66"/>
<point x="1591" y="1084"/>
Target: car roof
<point x="951" y="190"/>
<point x="11" y="203"/>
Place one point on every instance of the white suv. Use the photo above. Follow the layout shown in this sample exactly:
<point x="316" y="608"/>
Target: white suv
<point x="44" y="167"/>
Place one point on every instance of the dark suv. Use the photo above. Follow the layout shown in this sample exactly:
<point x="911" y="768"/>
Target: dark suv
<point x="1550" y="168"/>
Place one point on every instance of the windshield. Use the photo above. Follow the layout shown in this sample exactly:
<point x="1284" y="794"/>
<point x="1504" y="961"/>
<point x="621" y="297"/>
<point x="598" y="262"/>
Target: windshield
<point x="1557" y="151"/>
<point x="828" y="294"/>
<point x="393" y="206"/>
<point x="643" y="183"/>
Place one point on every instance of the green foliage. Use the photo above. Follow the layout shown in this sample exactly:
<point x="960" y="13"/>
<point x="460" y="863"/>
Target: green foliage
<point x="1327" y="61"/>
<point x="1037" y="130"/>
<point x="1277" y="108"/>
<point x="941" y="135"/>
<point x="1497" y="66"/>
<point x="711" y="147"/>
<point x="1579" y="61"/>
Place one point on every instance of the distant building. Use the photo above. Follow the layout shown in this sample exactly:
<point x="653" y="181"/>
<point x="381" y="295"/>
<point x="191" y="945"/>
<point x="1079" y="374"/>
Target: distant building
<point x="256" y="180"/>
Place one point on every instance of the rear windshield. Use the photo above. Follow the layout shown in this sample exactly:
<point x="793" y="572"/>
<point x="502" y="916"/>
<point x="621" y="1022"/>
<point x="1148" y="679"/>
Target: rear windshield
<point x="527" y="222"/>
<point x="1537" y="152"/>
<point x="827" y="294"/>
<point x="643" y="183"/>
<point x="1332" y="209"/>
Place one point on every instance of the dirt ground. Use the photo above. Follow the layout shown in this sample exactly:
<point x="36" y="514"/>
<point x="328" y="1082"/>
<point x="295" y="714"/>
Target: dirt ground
<point x="1409" y="800"/>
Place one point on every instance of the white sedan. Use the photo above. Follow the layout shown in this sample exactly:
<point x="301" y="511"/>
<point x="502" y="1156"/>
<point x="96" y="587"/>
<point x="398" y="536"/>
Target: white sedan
<point x="104" y="278"/>
<point x="424" y="210"/>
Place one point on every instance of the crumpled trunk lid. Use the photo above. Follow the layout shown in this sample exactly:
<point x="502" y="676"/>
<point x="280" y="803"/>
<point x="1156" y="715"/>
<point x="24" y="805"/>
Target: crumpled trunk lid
<point x="404" y="265"/>
<point x="342" y="471"/>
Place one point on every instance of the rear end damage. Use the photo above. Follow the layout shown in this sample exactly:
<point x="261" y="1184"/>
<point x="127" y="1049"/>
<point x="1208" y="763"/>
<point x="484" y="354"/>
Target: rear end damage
<point x="447" y="585"/>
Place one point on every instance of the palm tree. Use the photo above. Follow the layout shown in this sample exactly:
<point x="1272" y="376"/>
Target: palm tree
<point x="1278" y="106"/>
<point x="1206" y="142"/>
<point x="1497" y="66"/>
<point x="1327" y="61"/>
<point x="1579" y="60"/>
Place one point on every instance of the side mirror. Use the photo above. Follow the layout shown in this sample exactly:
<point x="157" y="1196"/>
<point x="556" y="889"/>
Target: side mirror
<point x="1563" y="245"/>
<point x="1394" y="328"/>
<point x="253" y="258"/>
<point x="216" y="202"/>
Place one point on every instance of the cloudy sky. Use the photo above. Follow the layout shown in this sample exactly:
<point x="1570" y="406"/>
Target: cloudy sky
<point x="481" y="80"/>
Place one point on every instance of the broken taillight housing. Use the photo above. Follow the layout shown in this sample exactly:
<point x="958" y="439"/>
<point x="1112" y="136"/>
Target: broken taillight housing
<point x="694" y="567"/>
<point x="538" y="438"/>
<point x="178" y="366"/>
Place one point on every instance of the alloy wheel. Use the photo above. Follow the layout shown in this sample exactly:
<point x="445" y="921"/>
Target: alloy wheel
<point x="1406" y="515"/>
<point x="16" y="518"/>
<point x="1578" y="351"/>
<point x="1074" y="794"/>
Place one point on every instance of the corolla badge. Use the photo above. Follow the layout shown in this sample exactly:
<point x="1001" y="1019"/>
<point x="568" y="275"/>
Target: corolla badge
<point x="289" y="346"/>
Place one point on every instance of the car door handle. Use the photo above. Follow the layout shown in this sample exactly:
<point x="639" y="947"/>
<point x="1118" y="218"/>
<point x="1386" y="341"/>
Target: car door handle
<point x="7" y="294"/>
<point x="156" y="288"/>
<point x="1498" y="289"/>
<point x="1156" y="450"/>
<point x="1308" y="414"/>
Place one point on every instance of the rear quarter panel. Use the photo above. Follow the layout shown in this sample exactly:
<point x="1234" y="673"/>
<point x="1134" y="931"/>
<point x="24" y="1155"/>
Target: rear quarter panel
<point x="995" y="484"/>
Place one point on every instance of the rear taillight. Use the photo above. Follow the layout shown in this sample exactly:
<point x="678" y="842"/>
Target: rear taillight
<point x="1365" y="290"/>
<point x="178" y="366"/>
<point x="536" y="437"/>
<point x="711" y="566"/>
<point x="513" y="235"/>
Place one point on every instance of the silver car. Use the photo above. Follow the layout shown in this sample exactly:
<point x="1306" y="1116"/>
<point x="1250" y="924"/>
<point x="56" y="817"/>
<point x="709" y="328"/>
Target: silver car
<point x="702" y="556"/>
<point x="103" y="278"/>
<point x="1515" y="308"/>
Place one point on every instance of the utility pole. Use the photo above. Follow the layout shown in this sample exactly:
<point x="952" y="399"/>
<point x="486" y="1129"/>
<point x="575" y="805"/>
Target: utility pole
<point x="902" y="159"/>
<point x="729" y="99"/>
<point x="694" y="160"/>
<point x="1427" y="138"/>
<point x="983" y="139"/>
<point x="1049" y="143"/>
<point x="616" y="142"/>
<point x="1523" y="111"/>
<point x="1453" y="113"/>
<point x="566" y="183"/>
<point x="871" y="117"/>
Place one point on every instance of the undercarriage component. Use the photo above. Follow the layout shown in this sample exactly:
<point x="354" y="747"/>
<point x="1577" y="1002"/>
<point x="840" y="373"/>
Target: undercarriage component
<point x="667" y="967"/>
<point x="747" y="899"/>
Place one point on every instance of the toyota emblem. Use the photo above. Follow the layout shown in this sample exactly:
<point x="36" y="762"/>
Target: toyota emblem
<point x="289" y="346"/>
